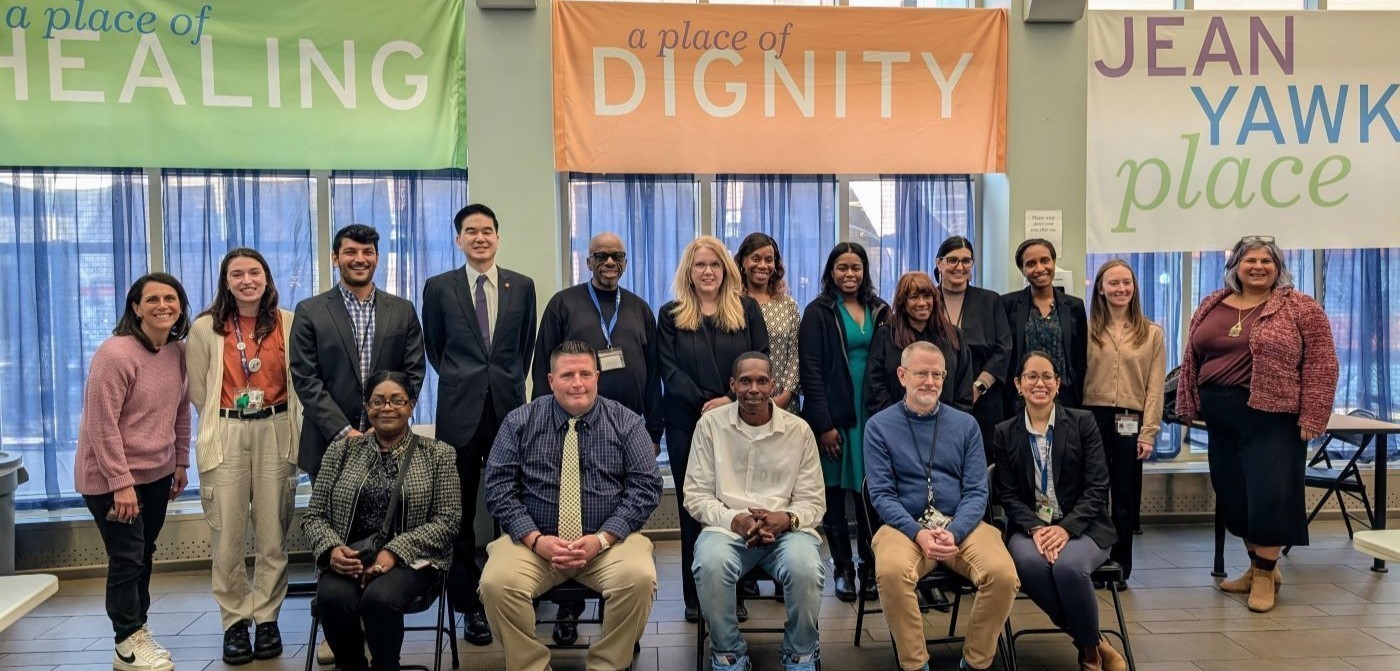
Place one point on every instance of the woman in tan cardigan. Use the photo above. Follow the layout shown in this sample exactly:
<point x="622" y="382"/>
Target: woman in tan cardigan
<point x="246" y="449"/>
<point x="1123" y="388"/>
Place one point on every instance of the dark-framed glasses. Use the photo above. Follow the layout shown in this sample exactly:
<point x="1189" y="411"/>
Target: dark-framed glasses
<point x="966" y="262"/>
<point x="603" y="257"/>
<point x="921" y="375"/>
<point x="379" y="402"/>
<point x="1032" y="378"/>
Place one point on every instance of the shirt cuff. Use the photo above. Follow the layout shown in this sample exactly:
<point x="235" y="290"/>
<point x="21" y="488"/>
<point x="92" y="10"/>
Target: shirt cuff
<point x="520" y="528"/>
<point x="616" y="527"/>
<point x="342" y="433"/>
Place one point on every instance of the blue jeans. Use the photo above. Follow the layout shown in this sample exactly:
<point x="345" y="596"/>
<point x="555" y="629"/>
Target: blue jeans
<point x="792" y="559"/>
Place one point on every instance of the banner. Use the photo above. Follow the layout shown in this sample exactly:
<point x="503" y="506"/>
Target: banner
<point x="304" y="84"/>
<point x="1208" y="126"/>
<point x="670" y="88"/>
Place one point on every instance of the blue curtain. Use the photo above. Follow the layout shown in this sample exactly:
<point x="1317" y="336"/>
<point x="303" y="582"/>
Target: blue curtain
<point x="71" y="243"/>
<point x="917" y="213"/>
<point x="1359" y="297"/>
<point x="797" y="211"/>
<point x="412" y="210"/>
<point x="654" y="215"/>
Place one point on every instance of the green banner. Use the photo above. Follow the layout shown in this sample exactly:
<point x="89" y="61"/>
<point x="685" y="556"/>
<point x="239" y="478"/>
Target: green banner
<point x="295" y="84"/>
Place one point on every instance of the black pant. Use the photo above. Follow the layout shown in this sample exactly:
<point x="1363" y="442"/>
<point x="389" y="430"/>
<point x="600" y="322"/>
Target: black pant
<point x="1124" y="482"/>
<point x="464" y="578"/>
<point x="678" y="450"/>
<point x="1258" y="463"/>
<point x="838" y="533"/>
<point x="343" y="606"/>
<point x="130" y="548"/>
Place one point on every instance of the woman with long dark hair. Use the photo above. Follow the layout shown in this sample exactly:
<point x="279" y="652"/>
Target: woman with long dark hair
<point x="981" y="321"/>
<point x="240" y="381"/>
<point x="761" y="269"/>
<point x="834" y="342"/>
<point x="133" y="452"/>
<point x="917" y="314"/>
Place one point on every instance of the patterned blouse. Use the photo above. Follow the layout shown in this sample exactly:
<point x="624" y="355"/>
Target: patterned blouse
<point x="782" y="319"/>
<point x="1045" y="334"/>
<point x="373" y="504"/>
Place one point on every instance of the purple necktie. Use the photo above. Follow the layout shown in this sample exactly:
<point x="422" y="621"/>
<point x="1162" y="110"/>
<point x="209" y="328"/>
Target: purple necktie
<point x="483" y="318"/>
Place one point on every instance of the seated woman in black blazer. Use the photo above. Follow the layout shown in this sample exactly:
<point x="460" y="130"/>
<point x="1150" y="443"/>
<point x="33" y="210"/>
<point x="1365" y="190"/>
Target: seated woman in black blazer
<point x="1052" y="479"/>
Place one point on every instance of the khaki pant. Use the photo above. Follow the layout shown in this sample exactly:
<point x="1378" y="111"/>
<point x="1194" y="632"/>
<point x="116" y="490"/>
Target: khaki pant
<point x="981" y="558"/>
<point x="254" y="481"/>
<point x="514" y="576"/>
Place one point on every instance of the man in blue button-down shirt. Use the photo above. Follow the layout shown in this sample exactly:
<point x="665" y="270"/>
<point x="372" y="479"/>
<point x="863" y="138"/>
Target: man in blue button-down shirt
<point x="619" y="487"/>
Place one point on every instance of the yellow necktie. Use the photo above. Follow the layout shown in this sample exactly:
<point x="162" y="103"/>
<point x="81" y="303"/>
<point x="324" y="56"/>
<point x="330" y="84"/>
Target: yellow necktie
<point x="570" y="492"/>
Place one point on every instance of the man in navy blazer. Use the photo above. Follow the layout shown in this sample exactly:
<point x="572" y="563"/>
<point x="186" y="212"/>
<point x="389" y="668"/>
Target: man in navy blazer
<point x="479" y="324"/>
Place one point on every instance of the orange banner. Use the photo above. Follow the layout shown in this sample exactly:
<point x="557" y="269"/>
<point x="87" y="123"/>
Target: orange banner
<point x="670" y="88"/>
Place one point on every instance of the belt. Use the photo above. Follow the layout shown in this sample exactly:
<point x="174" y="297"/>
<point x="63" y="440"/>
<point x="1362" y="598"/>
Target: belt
<point x="234" y="413"/>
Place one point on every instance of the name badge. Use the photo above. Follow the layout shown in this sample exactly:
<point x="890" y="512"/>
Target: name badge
<point x="250" y="401"/>
<point x="611" y="359"/>
<point x="1128" y="424"/>
<point x="1044" y="511"/>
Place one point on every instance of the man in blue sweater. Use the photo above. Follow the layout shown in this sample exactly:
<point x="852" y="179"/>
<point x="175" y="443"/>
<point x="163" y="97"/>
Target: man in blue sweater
<point x="927" y="476"/>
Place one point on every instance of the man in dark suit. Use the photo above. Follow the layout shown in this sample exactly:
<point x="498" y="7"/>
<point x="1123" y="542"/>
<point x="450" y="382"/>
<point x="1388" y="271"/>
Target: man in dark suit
<point x="341" y="337"/>
<point x="479" y="326"/>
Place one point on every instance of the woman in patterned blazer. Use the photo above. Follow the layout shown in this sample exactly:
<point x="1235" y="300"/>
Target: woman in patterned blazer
<point x="349" y="502"/>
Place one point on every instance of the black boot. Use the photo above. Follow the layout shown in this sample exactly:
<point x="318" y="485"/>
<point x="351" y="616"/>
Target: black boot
<point x="845" y="578"/>
<point x="867" y="583"/>
<point x="237" y="648"/>
<point x="267" y="644"/>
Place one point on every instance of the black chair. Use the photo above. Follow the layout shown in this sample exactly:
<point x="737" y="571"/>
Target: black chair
<point x="756" y="575"/>
<point x="1110" y="574"/>
<point x="564" y="592"/>
<point x="446" y="626"/>
<point x="947" y="581"/>
<point x="1339" y="481"/>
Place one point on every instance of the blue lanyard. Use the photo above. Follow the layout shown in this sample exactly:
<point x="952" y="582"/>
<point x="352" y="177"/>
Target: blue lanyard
<point x="1042" y="464"/>
<point x="608" y="327"/>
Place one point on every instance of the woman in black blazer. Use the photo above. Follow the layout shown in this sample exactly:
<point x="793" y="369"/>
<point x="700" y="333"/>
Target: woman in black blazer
<point x="1043" y="317"/>
<point x="1052" y="480"/>
<point x="917" y="314"/>
<point x="981" y="321"/>
<point x="699" y="335"/>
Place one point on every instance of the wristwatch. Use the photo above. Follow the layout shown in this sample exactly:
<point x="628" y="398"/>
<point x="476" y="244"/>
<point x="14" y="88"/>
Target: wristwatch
<point x="603" y="541"/>
<point x="794" y="524"/>
<point x="980" y="386"/>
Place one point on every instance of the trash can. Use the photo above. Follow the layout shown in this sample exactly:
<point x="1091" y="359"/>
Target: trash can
<point x="12" y="475"/>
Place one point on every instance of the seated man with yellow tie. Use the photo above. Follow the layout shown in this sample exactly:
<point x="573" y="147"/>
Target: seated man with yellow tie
<point x="571" y="478"/>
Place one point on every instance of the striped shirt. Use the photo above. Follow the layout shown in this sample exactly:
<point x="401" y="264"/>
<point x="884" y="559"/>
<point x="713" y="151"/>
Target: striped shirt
<point x="620" y="485"/>
<point x="362" y="321"/>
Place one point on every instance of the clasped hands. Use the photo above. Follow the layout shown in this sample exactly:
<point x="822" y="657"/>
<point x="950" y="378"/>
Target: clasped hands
<point x="566" y="555"/>
<point x="1050" y="541"/>
<point x="760" y="527"/>
<point x="346" y="562"/>
<point x="936" y="544"/>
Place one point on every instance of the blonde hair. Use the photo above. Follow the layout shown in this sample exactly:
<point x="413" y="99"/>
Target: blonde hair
<point x="1099" y="316"/>
<point x="730" y="316"/>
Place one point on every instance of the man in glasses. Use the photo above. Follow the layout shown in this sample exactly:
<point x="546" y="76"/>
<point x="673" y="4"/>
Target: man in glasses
<point x="622" y="328"/>
<point x="479" y="331"/>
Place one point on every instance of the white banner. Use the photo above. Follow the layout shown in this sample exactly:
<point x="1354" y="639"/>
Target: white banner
<point x="1206" y="126"/>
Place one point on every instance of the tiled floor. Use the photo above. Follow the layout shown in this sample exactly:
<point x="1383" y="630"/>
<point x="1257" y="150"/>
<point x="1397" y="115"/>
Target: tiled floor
<point x="1334" y="614"/>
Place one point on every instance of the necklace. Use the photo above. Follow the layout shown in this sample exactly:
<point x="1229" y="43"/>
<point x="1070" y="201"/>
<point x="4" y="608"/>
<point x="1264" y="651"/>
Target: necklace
<point x="1241" y="315"/>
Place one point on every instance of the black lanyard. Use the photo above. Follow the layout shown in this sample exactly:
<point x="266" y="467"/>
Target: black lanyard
<point x="932" y="450"/>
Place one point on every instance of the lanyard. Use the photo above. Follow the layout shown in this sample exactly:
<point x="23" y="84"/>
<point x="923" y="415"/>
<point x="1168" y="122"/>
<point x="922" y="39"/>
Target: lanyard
<point x="242" y="352"/>
<point x="1042" y="460"/>
<point x="932" y="450"/>
<point x="608" y="327"/>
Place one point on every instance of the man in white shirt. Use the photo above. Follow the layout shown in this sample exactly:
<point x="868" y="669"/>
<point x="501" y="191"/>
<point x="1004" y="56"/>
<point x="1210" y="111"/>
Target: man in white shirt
<point x="755" y="482"/>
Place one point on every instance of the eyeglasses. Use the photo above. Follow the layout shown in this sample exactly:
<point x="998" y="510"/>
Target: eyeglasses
<point x="921" y="375"/>
<point x="957" y="262"/>
<point x="1261" y="239"/>
<point x="378" y="402"/>
<point x="602" y="257"/>
<point x="1032" y="378"/>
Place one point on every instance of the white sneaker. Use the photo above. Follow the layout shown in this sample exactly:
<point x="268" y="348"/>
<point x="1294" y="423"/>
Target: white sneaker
<point x="138" y="653"/>
<point x="324" y="656"/>
<point x="160" y="649"/>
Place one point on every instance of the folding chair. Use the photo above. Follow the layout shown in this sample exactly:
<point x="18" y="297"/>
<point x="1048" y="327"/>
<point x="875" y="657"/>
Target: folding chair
<point x="1110" y="573"/>
<point x="566" y="591"/>
<point x="446" y="626"/>
<point x="1338" y="481"/>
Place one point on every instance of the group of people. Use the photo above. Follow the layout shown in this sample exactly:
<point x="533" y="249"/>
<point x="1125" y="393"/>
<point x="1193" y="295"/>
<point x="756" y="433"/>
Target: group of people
<point x="777" y="423"/>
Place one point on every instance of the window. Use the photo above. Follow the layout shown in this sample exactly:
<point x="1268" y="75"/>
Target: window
<point x="901" y="221"/>
<point x="71" y="243"/>
<point x="1360" y="295"/>
<point x="799" y="212"/>
<point x="412" y="210"/>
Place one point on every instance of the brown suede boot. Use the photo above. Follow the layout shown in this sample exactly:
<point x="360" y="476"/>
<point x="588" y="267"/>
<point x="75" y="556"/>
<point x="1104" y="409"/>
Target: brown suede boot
<point x="1262" y="591"/>
<point x="1241" y="585"/>
<point x="1089" y="659"/>
<point x="1111" y="660"/>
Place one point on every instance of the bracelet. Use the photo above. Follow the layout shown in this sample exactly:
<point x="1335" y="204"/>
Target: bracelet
<point x="535" y="542"/>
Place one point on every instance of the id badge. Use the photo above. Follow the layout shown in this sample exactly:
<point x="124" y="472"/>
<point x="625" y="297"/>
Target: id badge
<point x="1128" y="424"/>
<point x="611" y="359"/>
<point x="255" y="401"/>
<point x="1043" y="510"/>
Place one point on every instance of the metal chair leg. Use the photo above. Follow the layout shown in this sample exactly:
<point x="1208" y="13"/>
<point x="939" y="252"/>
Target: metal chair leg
<point x="1122" y="627"/>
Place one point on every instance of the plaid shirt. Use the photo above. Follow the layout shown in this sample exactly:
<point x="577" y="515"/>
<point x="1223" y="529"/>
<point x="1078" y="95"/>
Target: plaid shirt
<point x="362" y="321"/>
<point x="621" y="484"/>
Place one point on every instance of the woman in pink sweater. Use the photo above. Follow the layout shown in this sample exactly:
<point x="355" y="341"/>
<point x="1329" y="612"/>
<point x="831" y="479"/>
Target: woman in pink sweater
<point x="133" y="449"/>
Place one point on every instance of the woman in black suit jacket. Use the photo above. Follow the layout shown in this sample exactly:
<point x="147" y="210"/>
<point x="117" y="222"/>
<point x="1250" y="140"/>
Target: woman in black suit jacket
<point x="981" y="321"/>
<point x="699" y="335"/>
<point x="1052" y="480"/>
<point x="917" y="314"/>
<point x="1043" y="317"/>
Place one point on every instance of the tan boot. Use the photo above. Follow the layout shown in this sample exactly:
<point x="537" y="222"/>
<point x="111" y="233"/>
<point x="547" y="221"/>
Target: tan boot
<point x="1089" y="659"/>
<point x="1112" y="661"/>
<point x="1239" y="585"/>
<point x="1262" y="591"/>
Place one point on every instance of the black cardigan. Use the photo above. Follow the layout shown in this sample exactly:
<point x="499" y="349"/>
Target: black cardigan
<point x="1079" y="469"/>
<point x="828" y="393"/>
<point x="1074" y="326"/>
<point x="882" y="387"/>
<point x="695" y="365"/>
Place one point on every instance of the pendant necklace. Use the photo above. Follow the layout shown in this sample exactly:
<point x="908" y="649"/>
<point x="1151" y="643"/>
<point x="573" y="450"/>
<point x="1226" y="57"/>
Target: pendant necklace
<point x="1241" y="315"/>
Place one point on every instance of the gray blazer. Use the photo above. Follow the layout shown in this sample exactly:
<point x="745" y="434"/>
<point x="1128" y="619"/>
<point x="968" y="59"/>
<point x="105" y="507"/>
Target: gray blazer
<point x="326" y="364"/>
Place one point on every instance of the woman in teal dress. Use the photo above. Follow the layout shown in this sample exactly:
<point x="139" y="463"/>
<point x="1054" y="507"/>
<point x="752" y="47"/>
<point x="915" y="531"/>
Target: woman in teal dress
<point x="833" y="347"/>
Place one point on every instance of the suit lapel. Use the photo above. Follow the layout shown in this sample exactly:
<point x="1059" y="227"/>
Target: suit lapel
<point x="335" y="303"/>
<point x="381" y="326"/>
<point x="1024" y="305"/>
<point x="503" y="294"/>
<point x="1028" y="463"/>
<point x="1057" y="451"/>
<point x="462" y="289"/>
<point x="1065" y="309"/>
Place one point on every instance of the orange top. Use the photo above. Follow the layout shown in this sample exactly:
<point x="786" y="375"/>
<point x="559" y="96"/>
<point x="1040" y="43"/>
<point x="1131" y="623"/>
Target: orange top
<point x="271" y="378"/>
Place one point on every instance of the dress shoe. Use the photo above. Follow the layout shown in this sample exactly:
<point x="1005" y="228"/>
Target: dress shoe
<point x="267" y="641"/>
<point x="748" y="588"/>
<point x="237" y="648"/>
<point x="476" y="630"/>
<point x="324" y="655"/>
<point x="741" y="611"/>
<point x="845" y="579"/>
<point x="935" y="599"/>
<point x="868" y="587"/>
<point x="692" y="614"/>
<point x="566" y="629"/>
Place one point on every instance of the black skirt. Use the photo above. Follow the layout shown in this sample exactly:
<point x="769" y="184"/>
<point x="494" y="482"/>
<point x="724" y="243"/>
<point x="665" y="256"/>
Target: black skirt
<point x="1257" y="465"/>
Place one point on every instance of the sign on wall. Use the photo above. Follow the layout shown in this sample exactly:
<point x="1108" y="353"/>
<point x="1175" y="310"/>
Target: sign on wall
<point x="1206" y="126"/>
<point x="310" y="84"/>
<point x="715" y="88"/>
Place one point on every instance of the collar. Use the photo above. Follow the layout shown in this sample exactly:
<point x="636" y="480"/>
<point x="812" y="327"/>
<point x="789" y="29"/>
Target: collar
<point x="909" y="412"/>
<point x="560" y="416"/>
<point x="350" y="297"/>
<point x="1048" y="427"/>
<point x="774" y="426"/>
<point x="492" y="275"/>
